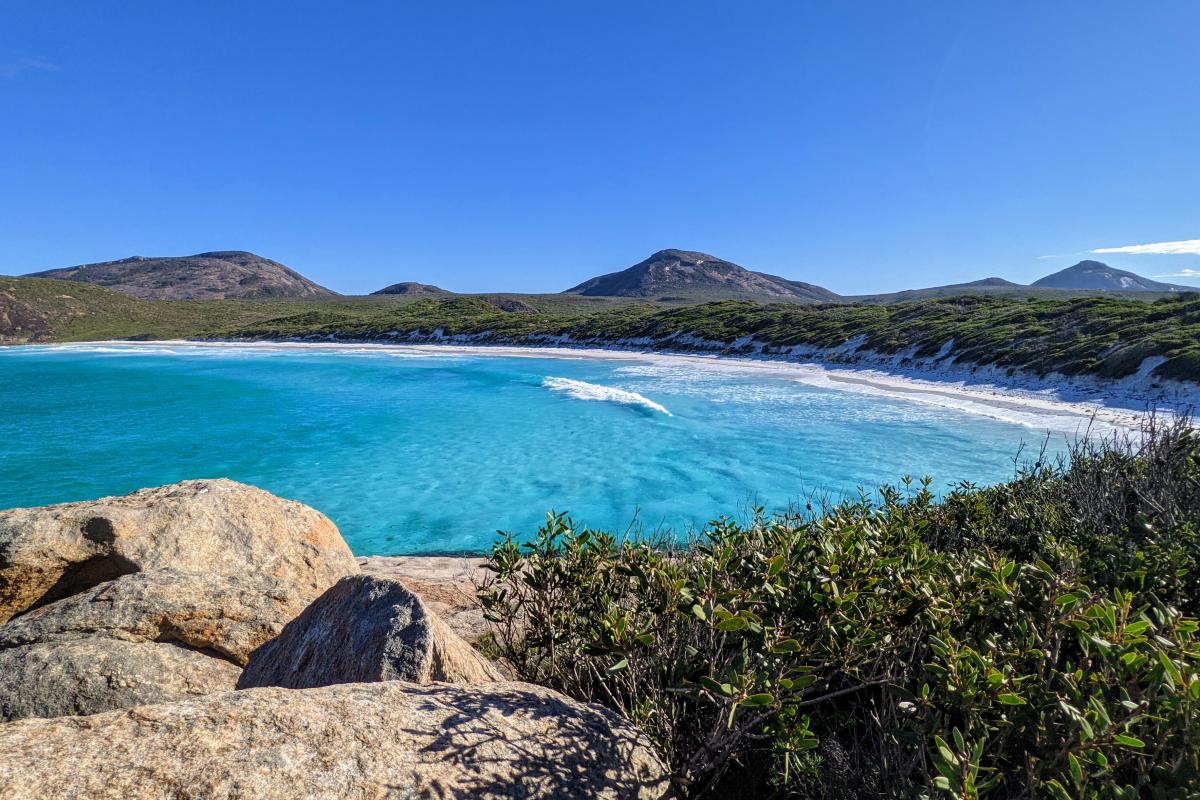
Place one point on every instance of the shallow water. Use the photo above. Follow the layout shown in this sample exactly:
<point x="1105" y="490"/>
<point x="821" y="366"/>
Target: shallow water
<point x="417" y="452"/>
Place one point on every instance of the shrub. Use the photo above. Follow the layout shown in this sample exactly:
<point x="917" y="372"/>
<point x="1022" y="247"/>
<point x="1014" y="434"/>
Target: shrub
<point x="1129" y="504"/>
<point x="864" y="651"/>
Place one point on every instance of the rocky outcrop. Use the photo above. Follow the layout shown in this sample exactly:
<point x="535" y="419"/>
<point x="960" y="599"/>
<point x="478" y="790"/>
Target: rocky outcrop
<point x="365" y="629"/>
<point x="499" y="740"/>
<point x="214" y="526"/>
<point x="226" y="616"/>
<point x="142" y="638"/>
<point x="445" y="584"/>
<point x="154" y="596"/>
<point x="129" y="619"/>
<point x="88" y="675"/>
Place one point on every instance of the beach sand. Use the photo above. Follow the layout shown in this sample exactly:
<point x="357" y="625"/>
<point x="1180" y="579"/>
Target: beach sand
<point x="1077" y="405"/>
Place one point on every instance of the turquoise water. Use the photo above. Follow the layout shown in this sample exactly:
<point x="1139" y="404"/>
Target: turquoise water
<point x="416" y="452"/>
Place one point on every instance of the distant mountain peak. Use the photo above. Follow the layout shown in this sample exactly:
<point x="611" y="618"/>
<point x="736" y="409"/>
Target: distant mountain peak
<point x="413" y="288"/>
<point x="1090" y="274"/>
<point x="689" y="256"/>
<point x="215" y="275"/>
<point x="682" y="273"/>
<point x="992" y="281"/>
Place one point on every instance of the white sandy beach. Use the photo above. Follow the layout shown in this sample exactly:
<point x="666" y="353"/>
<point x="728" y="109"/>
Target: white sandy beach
<point x="1061" y="405"/>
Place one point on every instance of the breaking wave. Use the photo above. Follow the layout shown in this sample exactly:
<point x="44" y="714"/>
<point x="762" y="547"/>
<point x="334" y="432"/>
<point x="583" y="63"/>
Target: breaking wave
<point x="581" y="390"/>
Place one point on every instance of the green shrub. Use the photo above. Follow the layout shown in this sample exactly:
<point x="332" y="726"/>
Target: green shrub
<point x="1130" y="505"/>
<point x="862" y="651"/>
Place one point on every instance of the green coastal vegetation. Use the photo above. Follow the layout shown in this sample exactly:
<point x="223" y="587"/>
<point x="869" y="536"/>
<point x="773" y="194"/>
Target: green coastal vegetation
<point x="1035" y="639"/>
<point x="1106" y="336"/>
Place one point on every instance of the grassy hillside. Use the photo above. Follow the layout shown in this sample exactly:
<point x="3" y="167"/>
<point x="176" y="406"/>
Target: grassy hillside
<point x="48" y="310"/>
<point x="1105" y="336"/>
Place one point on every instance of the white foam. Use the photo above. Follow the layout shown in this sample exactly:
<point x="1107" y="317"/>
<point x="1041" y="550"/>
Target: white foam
<point x="130" y="350"/>
<point x="223" y="349"/>
<point x="582" y="390"/>
<point x="1066" y="405"/>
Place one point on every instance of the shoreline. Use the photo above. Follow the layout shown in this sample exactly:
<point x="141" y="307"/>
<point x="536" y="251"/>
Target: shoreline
<point x="1078" y="405"/>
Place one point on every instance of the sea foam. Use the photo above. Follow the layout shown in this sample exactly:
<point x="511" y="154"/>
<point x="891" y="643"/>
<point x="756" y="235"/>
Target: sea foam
<point x="582" y="390"/>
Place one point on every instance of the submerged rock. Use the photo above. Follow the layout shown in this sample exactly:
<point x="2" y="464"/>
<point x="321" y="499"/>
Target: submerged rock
<point x="215" y="526"/>
<point x="365" y="629"/>
<point x="394" y="739"/>
<point x="98" y="673"/>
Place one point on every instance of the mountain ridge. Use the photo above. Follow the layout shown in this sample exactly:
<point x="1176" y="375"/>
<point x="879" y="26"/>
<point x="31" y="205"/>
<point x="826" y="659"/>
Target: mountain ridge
<point x="1097" y="275"/>
<point x="212" y="275"/>
<point x="673" y="272"/>
<point x="670" y="275"/>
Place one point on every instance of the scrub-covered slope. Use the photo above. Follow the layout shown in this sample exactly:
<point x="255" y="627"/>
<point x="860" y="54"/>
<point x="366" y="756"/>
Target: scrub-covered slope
<point x="219" y="275"/>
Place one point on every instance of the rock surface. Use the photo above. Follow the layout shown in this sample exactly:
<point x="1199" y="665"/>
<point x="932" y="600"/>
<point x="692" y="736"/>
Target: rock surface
<point x="89" y="675"/>
<point x="383" y="740"/>
<point x="445" y="584"/>
<point x="215" y="526"/>
<point x="227" y="616"/>
<point x="365" y="629"/>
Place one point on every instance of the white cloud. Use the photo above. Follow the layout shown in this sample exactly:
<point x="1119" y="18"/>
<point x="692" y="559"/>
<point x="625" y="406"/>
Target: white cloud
<point x="1185" y="247"/>
<point x="38" y="64"/>
<point x="1186" y="272"/>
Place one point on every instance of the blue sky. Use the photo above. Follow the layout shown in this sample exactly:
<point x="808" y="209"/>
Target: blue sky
<point x="864" y="146"/>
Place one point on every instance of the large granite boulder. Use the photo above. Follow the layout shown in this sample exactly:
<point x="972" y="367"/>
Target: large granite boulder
<point x="380" y="740"/>
<point x="89" y="675"/>
<point x="157" y="595"/>
<point x="215" y="526"/>
<point x="143" y="638"/>
<point x="447" y="585"/>
<point x="365" y="629"/>
<point x="224" y="616"/>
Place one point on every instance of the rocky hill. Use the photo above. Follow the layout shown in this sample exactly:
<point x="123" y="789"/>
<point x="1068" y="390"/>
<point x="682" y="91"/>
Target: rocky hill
<point x="415" y="289"/>
<point x="680" y="274"/>
<point x="1098" y="275"/>
<point x="222" y="275"/>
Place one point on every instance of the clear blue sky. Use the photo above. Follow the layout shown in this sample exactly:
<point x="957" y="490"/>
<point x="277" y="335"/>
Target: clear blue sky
<point x="863" y="146"/>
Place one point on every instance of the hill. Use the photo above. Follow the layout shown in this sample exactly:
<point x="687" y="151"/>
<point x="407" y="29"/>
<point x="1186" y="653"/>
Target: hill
<point x="684" y="274"/>
<point x="1098" y="275"/>
<point x="982" y="286"/>
<point x="415" y="289"/>
<point x="36" y="309"/>
<point x="1110" y="336"/>
<point x="222" y="275"/>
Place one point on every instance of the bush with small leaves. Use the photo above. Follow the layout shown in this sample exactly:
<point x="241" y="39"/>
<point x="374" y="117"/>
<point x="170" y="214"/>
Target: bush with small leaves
<point x="863" y="652"/>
